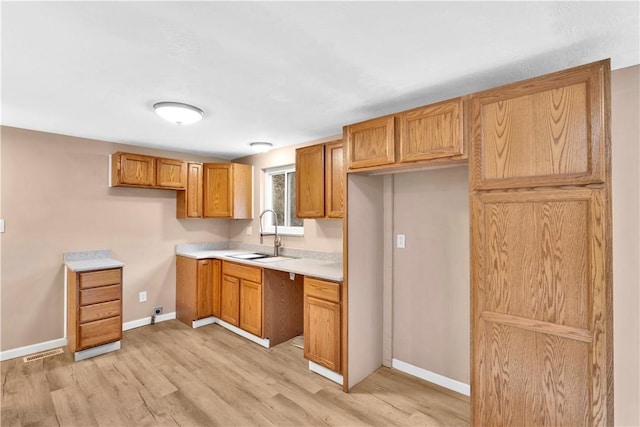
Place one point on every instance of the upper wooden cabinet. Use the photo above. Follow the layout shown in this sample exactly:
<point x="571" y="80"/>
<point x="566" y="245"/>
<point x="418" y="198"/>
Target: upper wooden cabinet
<point x="320" y="181"/>
<point x="544" y="131"/>
<point x="371" y="143"/>
<point x="189" y="202"/>
<point x="136" y="170"/>
<point x="227" y="190"/>
<point x="171" y="173"/>
<point x="429" y="134"/>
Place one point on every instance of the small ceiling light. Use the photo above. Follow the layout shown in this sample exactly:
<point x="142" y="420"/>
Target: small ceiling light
<point x="261" y="147"/>
<point x="178" y="113"/>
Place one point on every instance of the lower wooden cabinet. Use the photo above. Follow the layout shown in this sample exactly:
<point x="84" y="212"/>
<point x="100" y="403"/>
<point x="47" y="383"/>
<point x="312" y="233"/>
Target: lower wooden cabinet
<point x="94" y="308"/>
<point x="198" y="289"/>
<point x="322" y="323"/>
<point x="242" y="297"/>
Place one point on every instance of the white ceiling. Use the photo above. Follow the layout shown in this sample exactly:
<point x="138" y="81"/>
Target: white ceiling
<point x="285" y="72"/>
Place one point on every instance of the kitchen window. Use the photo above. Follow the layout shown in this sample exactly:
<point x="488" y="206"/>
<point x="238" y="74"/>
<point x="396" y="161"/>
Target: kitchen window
<point x="280" y="196"/>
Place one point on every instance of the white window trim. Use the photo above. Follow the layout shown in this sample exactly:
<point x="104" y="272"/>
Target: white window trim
<point x="282" y="230"/>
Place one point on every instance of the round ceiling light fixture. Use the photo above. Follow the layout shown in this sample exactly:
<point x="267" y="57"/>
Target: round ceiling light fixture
<point x="178" y="113"/>
<point x="261" y="146"/>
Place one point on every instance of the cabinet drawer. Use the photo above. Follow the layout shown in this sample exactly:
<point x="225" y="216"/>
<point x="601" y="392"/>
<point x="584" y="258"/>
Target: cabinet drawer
<point x="92" y="312"/>
<point x="100" y="278"/>
<point x="329" y="291"/>
<point x="97" y="295"/>
<point x="100" y="332"/>
<point x="240" y="271"/>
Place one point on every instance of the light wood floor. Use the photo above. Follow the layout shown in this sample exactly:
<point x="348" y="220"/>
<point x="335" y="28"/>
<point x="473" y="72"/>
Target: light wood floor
<point x="171" y="375"/>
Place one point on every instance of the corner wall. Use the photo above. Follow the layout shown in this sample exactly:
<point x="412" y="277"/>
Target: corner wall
<point x="55" y="198"/>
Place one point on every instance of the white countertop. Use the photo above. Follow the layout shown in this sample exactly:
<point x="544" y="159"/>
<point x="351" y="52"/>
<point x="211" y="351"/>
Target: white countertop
<point x="329" y="270"/>
<point x="93" y="264"/>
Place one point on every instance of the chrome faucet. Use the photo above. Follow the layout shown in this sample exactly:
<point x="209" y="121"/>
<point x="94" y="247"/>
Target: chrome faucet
<point x="277" y="241"/>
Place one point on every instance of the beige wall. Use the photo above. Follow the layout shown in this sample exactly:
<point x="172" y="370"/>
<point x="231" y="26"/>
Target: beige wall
<point x="55" y="199"/>
<point x="319" y="234"/>
<point x="431" y="275"/>
<point x="625" y="142"/>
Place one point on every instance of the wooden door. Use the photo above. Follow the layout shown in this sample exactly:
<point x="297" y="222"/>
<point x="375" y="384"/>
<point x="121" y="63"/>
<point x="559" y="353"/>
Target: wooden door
<point x="171" y="173"/>
<point x="334" y="179"/>
<point x="251" y="307"/>
<point x="370" y="143"/>
<point x="541" y="258"/>
<point x="432" y="132"/>
<point x="241" y="191"/>
<point x="230" y="300"/>
<point x="217" y="190"/>
<point x="189" y="202"/>
<point x="216" y="286"/>
<point x="322" y="332"/>
<point x="204" y="289"/>
<point x="310" y="182"/>
<point x="136" y="169"/>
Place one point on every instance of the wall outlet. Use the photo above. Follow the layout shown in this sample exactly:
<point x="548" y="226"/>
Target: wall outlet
<point x="142" y="296"/>
<point x="400" y="242"/>
<point x="157" y="311"/>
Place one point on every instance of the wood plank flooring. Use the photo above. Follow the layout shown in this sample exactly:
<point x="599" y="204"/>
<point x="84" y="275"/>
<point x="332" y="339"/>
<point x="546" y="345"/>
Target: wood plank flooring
<point x="168" y="374"/>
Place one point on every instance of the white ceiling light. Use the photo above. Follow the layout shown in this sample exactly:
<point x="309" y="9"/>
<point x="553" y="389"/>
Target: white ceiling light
<point x="178" y="113"/>
<point x="261" y="147"/>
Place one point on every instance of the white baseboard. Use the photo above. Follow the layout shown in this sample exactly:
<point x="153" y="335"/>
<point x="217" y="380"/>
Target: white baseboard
<point x="62" y="342"/>
<point x="34" y="348"/>
<point x="203" y="322"/>
<point x="432" y="377"/>
<point x="244" y="334"/>
<point x="147" y="321"/>
<point x="96" y="351"/>
<point x="327" y="373"/>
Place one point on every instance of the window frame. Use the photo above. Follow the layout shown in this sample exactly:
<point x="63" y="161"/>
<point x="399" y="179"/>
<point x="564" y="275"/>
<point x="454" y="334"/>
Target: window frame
<point x="268" y="202"/>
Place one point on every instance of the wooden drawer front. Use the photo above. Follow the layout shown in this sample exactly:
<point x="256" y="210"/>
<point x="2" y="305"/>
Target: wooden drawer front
<point x="240" y="271"/>
<point x="97" y="295"/>
<point x="100" y="278"/>
<point x="329" y="291"/>
<point x="103" y="310"/>
<point x="100" y="332"/>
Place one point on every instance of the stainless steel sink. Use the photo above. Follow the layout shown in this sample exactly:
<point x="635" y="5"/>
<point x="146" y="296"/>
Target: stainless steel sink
<point x="260" y="257"/>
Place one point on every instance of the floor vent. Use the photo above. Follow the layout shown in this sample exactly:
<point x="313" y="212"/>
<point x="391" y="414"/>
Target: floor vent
<point x="42" y="355"/>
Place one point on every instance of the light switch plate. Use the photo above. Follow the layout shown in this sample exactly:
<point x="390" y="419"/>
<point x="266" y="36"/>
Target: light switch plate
<point x="1" y="225"/>
<point x="142" y="296"/>
<point x="400" y="241"/>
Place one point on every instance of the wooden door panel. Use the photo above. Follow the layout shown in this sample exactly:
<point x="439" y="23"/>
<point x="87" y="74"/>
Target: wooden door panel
<point x="334" y="179"/>
<point x="371" y="143"/>
<point x="432" y="132"/>
<point x="137" y="169"/>
<point x="537" y="254"/>
<point x="230" y="300"/>
<point x="171" y="173"/>
<point x="310" y="182"/>
<point x="534" y="379"/>
<point x="217" y="190"/>
<point x="322" y="332"/>
<point x="204" y="296"/>
<point x="540" y="307"/>
<point x="194" y="191"/>
<point x="546" y="131"/>
<point x="251" y="307"/>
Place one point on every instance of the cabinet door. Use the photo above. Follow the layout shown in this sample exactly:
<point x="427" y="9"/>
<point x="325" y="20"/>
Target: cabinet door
<point x="171" y="173"/>
<point x="310" y="182"/>
<point x="545" y="131"/>
<point x="431" y="132"/>
<point x="370" y="143"/>
<point x="251" y="307"/>
<point x="217" y="190"/>
<point x="189" y="202"/>
<point x="204" y="289"/>
<point x="541" y="308"/>
<point x="334" y="179"/>
<point x="136" y="169"/>
<point x="216" y="281"/>
<point x="230" y="300"/>
<point x="322" y="332"/>
<point x="186" y="289"/>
